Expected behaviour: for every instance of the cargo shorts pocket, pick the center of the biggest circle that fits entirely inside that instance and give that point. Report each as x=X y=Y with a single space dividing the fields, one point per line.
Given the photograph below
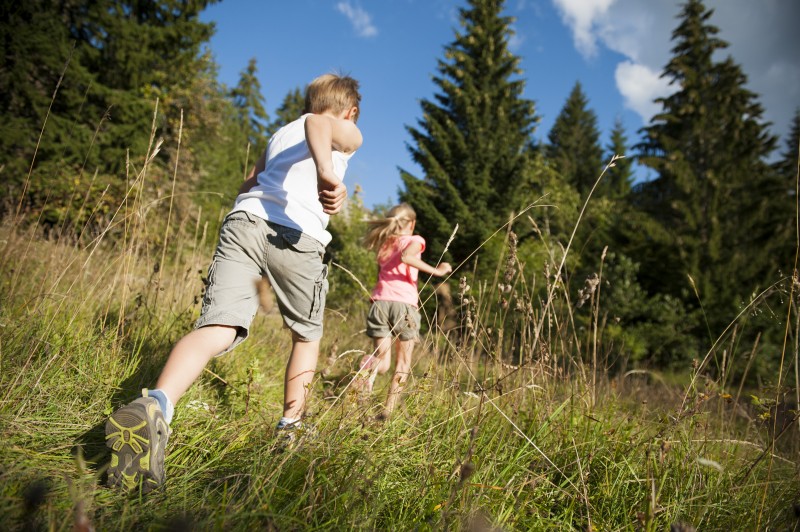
x=208 y=286
x=320 y=293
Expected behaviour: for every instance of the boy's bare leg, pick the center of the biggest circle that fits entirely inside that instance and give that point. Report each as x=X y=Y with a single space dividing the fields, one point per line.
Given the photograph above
x=299 y=374
x=137 y=433
x=402 y=368
x=190 y=355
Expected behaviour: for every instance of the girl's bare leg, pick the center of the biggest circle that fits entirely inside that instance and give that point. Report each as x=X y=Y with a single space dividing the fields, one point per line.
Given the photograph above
x=380 y=358
x=402 y=368
x=299 y=374
x=379 y=361
x=383 y=347
x=190 y=355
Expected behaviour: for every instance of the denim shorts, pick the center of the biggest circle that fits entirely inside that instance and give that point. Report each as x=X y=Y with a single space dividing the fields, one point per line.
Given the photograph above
x=250 y=247
x=392 y=318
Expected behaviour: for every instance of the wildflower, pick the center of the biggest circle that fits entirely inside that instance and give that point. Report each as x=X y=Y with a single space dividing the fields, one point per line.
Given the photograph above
x=466 y=301
x=588 y=289
x=511 y=260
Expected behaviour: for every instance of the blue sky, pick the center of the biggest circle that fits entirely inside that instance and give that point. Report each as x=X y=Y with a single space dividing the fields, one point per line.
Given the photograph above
x=615 y=48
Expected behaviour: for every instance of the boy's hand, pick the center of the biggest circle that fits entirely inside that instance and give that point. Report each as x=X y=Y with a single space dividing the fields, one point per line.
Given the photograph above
x=332 y=196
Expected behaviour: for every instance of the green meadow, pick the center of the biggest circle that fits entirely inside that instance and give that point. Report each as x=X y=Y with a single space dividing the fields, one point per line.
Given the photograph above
x=544 y=438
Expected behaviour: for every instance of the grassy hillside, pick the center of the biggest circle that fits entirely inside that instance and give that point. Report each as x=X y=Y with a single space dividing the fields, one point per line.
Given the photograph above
x=553 y=442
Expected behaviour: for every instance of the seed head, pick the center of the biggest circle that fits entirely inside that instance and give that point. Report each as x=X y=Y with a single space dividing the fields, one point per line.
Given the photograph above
x=588 y=289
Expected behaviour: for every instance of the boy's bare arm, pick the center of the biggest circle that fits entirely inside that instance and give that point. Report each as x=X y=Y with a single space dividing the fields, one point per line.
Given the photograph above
x=323 y=134
x=324 y=131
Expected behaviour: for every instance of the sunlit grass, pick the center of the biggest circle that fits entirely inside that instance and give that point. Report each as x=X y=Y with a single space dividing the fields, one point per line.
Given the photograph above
x=478 y=441
x=509 y=421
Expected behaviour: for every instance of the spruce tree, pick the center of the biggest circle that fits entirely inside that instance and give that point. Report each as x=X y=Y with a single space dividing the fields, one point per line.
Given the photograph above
x=708 y=146
x=619 y=177
x=787 y=165
x=291 y=109
x=248 y=101
x=140 y=51
x=574 y=147
x=785 y=240
x=473 y=142
x=35 y=50
x=110 y=60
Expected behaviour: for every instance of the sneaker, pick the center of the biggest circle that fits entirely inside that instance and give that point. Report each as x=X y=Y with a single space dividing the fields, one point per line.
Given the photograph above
x=137 y=435
x=288 y=434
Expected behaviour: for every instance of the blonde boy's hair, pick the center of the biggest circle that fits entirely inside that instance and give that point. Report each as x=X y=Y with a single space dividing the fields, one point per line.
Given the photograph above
x=332 y=92
x=383 y=230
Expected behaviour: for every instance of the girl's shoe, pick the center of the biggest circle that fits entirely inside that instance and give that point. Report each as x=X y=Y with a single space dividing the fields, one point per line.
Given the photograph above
x=137 y=435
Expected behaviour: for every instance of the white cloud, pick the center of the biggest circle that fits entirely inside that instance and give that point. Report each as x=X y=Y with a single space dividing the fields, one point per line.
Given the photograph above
x=639 y=86
x=582 y=16
x=360 y=19
x=762 y=36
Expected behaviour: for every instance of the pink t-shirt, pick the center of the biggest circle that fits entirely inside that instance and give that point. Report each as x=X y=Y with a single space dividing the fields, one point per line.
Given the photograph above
x=397 y=281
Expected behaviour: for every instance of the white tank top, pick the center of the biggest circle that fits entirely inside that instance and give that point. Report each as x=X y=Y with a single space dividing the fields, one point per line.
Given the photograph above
x=286 y=191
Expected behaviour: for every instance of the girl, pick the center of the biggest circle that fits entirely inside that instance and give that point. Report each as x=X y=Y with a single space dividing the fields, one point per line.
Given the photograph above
x=394 y=313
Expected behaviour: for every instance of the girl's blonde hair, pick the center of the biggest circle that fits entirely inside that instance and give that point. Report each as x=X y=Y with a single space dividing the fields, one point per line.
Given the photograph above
x=385 y=229
x=332 y=92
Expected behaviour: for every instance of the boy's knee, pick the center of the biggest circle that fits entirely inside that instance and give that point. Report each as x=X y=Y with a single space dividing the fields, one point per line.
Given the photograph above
x=216 y=339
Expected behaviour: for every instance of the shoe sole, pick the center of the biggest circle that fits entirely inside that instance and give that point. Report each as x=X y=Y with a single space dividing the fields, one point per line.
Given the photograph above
x=133 y=435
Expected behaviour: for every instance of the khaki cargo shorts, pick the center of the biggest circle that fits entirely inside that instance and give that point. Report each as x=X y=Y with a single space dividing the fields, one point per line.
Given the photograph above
x=250 y=247
x=392 y=318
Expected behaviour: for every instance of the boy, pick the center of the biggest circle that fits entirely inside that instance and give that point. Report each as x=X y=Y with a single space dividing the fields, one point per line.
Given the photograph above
x=276 y=228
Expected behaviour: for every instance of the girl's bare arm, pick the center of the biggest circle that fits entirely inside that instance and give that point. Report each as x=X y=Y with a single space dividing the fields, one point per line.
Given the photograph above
x=409 y=257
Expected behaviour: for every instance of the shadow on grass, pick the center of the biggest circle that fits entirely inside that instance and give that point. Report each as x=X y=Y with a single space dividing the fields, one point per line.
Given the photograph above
x=91 y=444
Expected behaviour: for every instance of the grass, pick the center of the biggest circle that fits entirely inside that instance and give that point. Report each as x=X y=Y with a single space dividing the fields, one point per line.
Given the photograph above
x=477 y=443
x=545 y=439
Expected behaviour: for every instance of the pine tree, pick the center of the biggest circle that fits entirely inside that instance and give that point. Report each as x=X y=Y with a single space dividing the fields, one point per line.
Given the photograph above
x=574 y=147
x=787 y=166
x=618 y=178
x=140 y=51
x=473 y=141
x=785 y=240
x=290 y=109
x=608 y=211
x=575 y=154
x=35 y=50
x=116 y=58
x=708 y=146
x=249 y=105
